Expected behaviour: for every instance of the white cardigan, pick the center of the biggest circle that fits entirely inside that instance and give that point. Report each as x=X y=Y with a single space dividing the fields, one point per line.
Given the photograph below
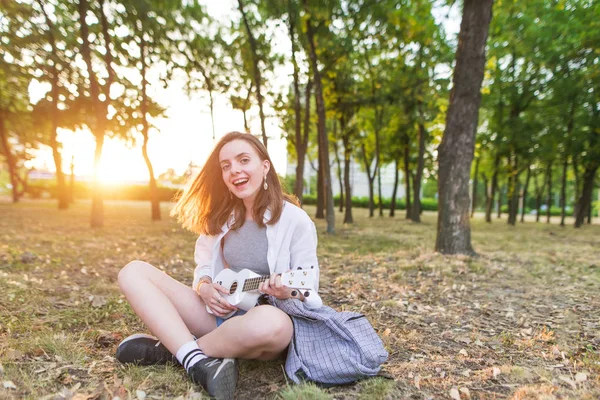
x=291 y=243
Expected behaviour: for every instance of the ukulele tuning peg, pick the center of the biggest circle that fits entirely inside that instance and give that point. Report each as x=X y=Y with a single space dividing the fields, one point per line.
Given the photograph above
x=291 y=282
x=302 y=282
x=291 y=274
x=299 y=268
x=305 y=273
x=312 y=267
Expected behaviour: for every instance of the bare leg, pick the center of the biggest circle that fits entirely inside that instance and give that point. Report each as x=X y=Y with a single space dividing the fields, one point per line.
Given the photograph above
x=171 y=310
x=262 y=333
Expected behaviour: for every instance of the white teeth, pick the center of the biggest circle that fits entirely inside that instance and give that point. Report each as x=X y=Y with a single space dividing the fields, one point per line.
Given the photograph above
x=240 y=181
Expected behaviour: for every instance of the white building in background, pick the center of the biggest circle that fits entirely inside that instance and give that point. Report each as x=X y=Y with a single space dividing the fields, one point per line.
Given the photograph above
x=358 y=179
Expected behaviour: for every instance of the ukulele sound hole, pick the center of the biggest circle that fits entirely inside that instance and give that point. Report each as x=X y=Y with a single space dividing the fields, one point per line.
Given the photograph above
x=233 y=288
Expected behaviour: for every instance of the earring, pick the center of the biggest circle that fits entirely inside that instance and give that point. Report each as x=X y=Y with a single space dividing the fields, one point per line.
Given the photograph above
x=266 y=185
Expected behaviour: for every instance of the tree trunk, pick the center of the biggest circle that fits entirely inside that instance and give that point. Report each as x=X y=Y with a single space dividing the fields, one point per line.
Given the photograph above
x=154 y=200
x=378 y=124
x=407 y=179
x=525 y=193
x=302 y=143
x=577 y=183
x=61 y=187
x=339 y=166
x=347 y=158
x=585 y=200
x=395 y=190
x=589 y=210
x=211 y=104
x=246 y=108
x=415 y=214
x=485 y=191
x=513 y=191
x=489 y=205
x=299 y=187
x=10 y=160
x=97 y=215
x=474 y=189
x=256 y=70
x=563 y=192
x=458 y=143
x=371 y=180
x=320 y=214
x=499 y=203
x=549 y=198
x=323 y=139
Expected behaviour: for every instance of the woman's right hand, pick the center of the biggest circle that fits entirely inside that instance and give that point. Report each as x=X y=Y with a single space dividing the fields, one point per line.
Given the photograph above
x=212 y=295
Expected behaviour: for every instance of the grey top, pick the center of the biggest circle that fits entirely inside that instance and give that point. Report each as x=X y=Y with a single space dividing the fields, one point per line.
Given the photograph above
x=247 y=247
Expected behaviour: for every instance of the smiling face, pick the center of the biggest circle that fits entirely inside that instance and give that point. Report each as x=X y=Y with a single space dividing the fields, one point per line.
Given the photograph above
x=243 y=171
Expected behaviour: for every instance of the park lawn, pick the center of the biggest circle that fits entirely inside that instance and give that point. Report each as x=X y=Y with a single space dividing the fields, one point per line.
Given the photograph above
x=521 y=320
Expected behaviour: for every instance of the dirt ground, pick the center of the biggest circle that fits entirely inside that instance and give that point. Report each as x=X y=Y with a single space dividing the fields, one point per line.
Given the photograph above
x=520 y=320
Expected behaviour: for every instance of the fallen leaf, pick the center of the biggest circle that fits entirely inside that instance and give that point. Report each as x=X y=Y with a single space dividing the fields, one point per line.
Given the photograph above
x=417 y=382
x=463 y=352
x=496 y=371
x=141 y=395
x=13 y=354
x=9 y=385
x=273 y=387
x=1 y=369
x=98 y=301
x=526 y=332
x=466 y=392
x=387 y=332
x=464 y=340
x=454 y=394
x=580 y=377
x=568 y=380
x=466 y=372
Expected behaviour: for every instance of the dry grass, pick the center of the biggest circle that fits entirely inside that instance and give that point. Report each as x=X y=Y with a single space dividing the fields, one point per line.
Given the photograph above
x=519 y=321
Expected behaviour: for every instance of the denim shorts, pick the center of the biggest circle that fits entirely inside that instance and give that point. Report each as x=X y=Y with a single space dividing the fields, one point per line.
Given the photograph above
x=237 y=313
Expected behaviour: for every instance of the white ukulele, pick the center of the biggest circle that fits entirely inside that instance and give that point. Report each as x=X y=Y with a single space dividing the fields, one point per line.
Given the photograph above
x=243 y=285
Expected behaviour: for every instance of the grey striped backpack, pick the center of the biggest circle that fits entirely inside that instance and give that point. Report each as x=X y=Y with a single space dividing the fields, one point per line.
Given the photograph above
x=330 y=347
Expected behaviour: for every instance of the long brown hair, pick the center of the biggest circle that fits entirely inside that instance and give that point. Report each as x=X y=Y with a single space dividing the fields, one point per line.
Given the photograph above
x=206 y=203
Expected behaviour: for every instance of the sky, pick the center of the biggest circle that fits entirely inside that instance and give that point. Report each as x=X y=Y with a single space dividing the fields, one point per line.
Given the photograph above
x=184 y=135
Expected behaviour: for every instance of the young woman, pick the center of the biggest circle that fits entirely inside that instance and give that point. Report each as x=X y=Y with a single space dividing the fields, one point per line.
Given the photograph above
x=245 y=220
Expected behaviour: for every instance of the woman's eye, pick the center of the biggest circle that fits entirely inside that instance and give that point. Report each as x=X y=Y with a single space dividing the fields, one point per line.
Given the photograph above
x=225 y=167
x=245 y=160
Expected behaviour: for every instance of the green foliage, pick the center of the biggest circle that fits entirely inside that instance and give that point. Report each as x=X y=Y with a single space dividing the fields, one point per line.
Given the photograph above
x=427 y=204
x=554 y=211
x=82 y=190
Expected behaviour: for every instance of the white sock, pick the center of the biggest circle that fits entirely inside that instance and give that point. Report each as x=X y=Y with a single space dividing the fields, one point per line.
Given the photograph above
x=189 y=354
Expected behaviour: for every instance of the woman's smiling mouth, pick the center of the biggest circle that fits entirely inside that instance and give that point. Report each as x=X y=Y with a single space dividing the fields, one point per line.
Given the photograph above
x=240 y=182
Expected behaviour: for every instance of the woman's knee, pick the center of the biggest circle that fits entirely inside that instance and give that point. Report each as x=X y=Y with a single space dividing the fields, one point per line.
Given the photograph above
x=133 y=272
x=269 y=325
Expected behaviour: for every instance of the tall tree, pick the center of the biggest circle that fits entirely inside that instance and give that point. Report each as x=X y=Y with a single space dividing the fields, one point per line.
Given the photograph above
x=256 y=68
x=15 y=113
x=457 y=147
x=320 y=103
x=148 y=22
x=54 y=66
x=99 y=98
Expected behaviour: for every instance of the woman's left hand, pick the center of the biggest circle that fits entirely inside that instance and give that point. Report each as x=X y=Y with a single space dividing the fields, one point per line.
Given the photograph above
x=275 y=288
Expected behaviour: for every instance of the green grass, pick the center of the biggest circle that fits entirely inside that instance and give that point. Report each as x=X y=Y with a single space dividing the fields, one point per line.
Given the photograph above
x=527 y=304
